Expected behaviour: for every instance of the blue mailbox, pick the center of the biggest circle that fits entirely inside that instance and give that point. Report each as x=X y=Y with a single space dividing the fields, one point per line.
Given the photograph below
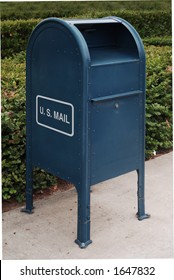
x=85 y=107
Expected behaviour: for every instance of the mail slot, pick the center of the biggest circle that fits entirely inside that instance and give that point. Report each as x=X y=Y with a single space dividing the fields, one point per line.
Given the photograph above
x=85 y=107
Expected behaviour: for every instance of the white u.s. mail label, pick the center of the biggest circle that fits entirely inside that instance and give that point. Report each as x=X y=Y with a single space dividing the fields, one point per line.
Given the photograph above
x=55 y=114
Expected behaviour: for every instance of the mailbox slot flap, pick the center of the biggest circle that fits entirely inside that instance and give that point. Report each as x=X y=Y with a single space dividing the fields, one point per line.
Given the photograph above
x=108 y=41
x=115 y=96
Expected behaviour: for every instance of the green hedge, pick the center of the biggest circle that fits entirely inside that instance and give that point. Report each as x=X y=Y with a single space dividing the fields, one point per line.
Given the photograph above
x=158 y=41
x=13 y=131
x=27 y=10
x=158 y=99
x=158 y=117
x=15 y=34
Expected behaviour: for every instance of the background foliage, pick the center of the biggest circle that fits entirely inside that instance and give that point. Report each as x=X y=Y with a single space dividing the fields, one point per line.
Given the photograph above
x=77 y=8
x=158 y=99
x=153 y=22
x=13 y=131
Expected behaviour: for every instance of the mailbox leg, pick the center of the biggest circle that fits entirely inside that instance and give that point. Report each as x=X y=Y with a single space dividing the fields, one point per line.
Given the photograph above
x=83 y=227
x=29 y=191
x=141 y=200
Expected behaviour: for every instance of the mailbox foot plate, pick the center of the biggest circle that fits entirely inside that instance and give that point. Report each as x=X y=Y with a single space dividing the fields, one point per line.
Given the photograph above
x=83 y=245
x=28 y=211
x=142 y=217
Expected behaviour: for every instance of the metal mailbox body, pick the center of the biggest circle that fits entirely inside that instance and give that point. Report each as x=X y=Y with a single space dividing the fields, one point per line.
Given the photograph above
x=85 y=106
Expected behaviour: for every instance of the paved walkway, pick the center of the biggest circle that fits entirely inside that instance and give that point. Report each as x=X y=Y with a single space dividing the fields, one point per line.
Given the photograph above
x=116 y=233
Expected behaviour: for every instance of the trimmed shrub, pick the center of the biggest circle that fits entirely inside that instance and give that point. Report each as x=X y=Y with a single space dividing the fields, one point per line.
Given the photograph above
x=15 y=34
x=13 y=131
x=158 y=99
x=27 y=10
x=158 y=41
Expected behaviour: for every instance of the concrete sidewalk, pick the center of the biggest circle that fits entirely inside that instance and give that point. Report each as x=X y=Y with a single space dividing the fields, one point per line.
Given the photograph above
x=50 y=232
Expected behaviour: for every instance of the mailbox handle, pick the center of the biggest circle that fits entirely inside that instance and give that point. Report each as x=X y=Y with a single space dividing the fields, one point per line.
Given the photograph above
x=115 y=96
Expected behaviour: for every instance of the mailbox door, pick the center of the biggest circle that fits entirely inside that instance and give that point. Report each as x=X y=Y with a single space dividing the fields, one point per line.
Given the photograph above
x=115 y=136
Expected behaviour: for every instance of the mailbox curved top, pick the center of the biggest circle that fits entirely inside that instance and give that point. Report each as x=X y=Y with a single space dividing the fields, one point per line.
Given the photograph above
x=59 y=23
x=86 y=33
